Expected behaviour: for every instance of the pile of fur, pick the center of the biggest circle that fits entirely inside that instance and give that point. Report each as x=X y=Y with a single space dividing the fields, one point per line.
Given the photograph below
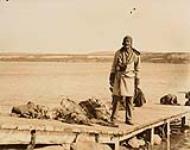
x=86 y=112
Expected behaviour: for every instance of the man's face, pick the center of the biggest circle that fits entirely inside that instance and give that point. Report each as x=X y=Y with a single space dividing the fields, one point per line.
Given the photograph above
x=128 y=43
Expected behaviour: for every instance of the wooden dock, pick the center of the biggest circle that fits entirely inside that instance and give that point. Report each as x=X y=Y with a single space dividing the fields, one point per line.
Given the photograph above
x=18 y=130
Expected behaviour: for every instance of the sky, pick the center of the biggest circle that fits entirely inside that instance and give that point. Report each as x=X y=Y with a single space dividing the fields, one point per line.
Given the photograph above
x=81 y=26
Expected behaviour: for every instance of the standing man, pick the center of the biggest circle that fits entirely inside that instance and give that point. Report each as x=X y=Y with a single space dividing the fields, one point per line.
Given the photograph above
x=124 y=78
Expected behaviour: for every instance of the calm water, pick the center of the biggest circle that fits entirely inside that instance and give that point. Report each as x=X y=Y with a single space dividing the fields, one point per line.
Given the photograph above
x=44 y=82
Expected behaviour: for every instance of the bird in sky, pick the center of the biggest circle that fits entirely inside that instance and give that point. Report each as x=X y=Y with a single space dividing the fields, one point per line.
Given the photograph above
x=132 y=11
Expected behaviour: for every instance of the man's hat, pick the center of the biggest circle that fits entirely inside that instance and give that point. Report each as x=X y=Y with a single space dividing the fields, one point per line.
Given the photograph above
x=127 y=38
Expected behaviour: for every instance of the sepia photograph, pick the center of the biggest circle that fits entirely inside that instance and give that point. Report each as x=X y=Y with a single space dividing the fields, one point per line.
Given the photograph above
x=94 y=75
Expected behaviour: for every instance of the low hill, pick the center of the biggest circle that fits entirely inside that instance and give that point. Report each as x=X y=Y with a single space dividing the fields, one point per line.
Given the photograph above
x=169 y=57
x=155 y=57
x=104 y=56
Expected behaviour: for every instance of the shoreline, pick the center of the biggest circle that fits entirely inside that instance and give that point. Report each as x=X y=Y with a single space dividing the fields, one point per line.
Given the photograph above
x=149 y=57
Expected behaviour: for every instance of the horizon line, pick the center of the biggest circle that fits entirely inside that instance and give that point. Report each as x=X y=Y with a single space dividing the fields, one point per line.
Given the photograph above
x=85 y=53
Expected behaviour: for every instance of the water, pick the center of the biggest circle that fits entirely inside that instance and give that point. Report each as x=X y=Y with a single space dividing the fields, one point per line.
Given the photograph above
x=44 y=82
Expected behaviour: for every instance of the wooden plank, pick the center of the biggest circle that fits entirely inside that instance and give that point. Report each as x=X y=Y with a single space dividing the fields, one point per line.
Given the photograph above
x=168 y=135
x=66 y=132
x=117 y=145
x=24 y=137
x=108 y=139
x=183 y=121
x=14 y=137
x=152 y=137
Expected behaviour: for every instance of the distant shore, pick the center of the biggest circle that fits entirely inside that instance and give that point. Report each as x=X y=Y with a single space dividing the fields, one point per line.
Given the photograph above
x=158 y=57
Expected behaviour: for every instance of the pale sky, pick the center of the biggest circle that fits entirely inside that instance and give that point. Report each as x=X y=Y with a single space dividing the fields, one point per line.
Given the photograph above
x=93 y=25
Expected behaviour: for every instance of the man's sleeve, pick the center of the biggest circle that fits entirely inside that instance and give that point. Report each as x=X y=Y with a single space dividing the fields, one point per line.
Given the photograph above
x=113 y=70
x=137 y=71
x=137 y=67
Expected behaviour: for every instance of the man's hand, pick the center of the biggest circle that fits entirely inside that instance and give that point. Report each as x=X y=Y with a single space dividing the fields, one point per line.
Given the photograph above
x=111 y=79
x=111 y=89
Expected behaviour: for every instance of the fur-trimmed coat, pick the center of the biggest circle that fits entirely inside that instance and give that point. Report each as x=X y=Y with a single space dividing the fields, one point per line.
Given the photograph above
x=125 y=68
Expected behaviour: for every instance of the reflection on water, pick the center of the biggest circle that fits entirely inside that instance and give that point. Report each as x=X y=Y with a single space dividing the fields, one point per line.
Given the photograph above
x=180 y=141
